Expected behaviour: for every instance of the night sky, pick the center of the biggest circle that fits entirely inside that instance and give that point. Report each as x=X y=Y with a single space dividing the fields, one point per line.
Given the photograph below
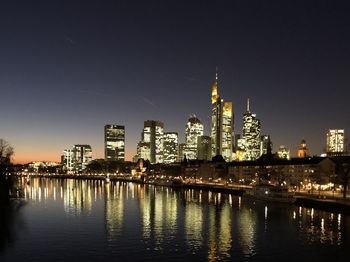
x=67 y=68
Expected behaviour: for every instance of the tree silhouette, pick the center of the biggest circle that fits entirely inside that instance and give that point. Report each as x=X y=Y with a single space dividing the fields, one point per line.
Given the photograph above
x=6 y=182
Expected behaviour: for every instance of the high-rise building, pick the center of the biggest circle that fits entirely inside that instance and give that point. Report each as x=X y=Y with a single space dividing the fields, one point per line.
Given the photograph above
x=114 y=142
x=67 y=161
x=182 y=152
x=302 y=151
x=283 y=152
x=221 y=124
x=76 y=159
x=335 y=142
x=194 y=129
x=251 y=135
x=153 y=134
x=204 y=148
x=143 y=151
x=171 y=145
x=82 y=155
x=265 y=145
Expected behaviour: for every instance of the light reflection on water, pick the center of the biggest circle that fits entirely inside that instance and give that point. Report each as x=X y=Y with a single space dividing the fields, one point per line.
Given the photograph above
x=147 y=222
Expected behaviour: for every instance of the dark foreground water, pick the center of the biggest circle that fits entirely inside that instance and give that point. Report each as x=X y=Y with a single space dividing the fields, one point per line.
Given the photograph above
x=86 y=220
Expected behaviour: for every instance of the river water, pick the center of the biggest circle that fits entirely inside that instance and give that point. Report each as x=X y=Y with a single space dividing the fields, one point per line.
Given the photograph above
x=88 y=220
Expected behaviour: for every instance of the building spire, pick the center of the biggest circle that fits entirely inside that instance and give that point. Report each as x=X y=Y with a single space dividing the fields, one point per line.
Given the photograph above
x=248 y=105
x=214 y=89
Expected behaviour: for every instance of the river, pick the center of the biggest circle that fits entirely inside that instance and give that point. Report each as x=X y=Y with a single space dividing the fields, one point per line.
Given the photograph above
x=88 y=220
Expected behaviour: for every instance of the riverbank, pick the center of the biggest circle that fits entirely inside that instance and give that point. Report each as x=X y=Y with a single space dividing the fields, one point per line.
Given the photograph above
x=330 y=205
x=335 y=205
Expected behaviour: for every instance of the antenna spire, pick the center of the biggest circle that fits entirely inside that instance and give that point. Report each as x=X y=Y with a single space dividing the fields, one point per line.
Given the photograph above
x=216 y=73
x=248 y=105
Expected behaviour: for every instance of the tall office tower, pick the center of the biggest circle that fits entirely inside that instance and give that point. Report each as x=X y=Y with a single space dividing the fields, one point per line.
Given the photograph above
x=82 y=155
x=194 y=129
x=221 y=124
x=335 y=142
x=182 y=152
x=204 y=148
x=302 y=151
x=283 y=152
x=67 y=161
x=251 y=135
x=265 y=145
x=144 y=151
x=153 y=134
x=171 y=145
x=114 y=142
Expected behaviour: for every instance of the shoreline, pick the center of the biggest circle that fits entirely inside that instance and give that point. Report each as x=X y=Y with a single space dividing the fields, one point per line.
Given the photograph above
x=326 y=204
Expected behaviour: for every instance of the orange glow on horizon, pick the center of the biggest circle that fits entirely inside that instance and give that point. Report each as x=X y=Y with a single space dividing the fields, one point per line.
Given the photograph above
x=24 y=158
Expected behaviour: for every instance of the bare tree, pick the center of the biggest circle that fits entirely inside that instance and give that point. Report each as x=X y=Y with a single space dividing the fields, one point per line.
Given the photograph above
x=6 y=151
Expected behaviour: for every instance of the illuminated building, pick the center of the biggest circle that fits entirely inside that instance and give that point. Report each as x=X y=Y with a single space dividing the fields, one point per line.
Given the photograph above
x=335 y=142
x=143 y=151
x=182 y=152
x=221 y=124
x=302 y=151
x=194 y=129
x=204 y=148
x=171 y=144
x=114 y=142
x=153 y=134
x=265 y=145
x=76 y=159
x=283 y=152
x=67 y=161
x=251 y=135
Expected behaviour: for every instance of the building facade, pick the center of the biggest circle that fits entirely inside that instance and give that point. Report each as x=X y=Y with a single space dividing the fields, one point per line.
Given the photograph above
x=251 y=135
x=171 y=146
x=283 y=152
x=335 y=142
x=194 y=129
x=152 y=133
x=265 y=145
x=114 y=142
x=75 y=160
x=303 y=151
x=143 y=151
x=204 y=148
x=221 y=124
x=82 y=155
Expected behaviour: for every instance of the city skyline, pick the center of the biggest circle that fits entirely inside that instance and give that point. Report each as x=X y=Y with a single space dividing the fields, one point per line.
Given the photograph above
x=66 y=71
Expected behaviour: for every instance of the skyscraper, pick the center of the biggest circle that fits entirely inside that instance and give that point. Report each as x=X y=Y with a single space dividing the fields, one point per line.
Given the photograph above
x=153 y=134
x=251 y=135
x=114 y=142
x=82 y=155
x=204 y=148
x=283 y=152
x=194 y=129
x=221 y=124
x=143 y=151
x=335 y=142
x=67 y=161
x=171 y=145
x=265 y=145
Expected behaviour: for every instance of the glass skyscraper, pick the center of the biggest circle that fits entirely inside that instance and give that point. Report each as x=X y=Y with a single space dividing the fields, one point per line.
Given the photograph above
x=171 y=145
x=194 y=129
x=114 y=142
x=251 y=135
x=221 y=124
x=152 y=133
x=335 y=142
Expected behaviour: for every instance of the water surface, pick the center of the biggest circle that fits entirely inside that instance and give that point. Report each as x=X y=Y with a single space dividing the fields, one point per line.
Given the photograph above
x=88 y=220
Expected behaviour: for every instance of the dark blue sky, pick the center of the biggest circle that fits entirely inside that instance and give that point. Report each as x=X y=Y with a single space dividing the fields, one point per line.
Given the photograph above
x=69 y=67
